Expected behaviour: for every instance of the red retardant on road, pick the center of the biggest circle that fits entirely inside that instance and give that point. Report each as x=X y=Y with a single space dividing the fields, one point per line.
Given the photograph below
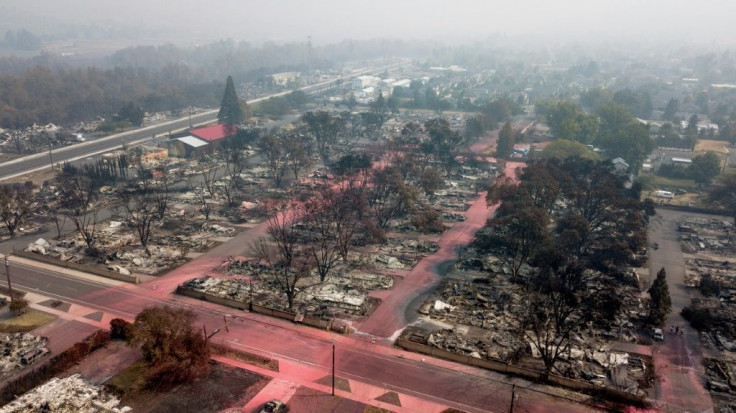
x=388 y=318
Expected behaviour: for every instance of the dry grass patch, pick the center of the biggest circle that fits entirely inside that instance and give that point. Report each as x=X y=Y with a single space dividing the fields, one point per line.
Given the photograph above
x=245 y=357
x=28 y=321
x=222 y=389
x=705 y=145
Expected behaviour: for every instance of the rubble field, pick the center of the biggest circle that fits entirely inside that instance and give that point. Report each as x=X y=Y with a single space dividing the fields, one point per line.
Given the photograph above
x=118 y=249
x=342 y=294
x=721 y=381
x=472 y=313
x=707 y=236
x=709 y=246
x=19 y=350
x=71 y=394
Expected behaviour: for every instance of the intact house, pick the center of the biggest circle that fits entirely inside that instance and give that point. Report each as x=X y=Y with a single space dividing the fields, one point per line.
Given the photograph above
x=200 y=141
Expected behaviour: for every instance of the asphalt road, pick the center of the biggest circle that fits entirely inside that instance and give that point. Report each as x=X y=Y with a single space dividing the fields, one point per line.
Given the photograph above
x=472 y=391
x=43 y=160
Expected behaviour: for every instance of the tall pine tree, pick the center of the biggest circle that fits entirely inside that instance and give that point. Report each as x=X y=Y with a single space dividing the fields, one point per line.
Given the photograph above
x=660 y=303
x=505 y=142
x=230 y=111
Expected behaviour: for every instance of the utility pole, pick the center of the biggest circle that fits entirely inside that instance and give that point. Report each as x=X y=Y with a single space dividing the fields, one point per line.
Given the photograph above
x=7 y=274
x=333 y=369
x=513 y=397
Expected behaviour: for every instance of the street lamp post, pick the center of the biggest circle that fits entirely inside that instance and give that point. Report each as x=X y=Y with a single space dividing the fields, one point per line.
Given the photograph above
x=7 y=274
x=333 y=369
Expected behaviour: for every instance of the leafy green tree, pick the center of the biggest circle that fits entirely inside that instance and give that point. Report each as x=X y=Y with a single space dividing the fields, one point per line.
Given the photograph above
x=473 y=127
x=723 y=193
x=660 y=303
x=326 y=129
x=132 y=113
x=562 y=149
x=728 y=133
x=170 y=344
x=495 y=112
x=594 y=98
x=639 y=103
x=444 y=143
x=351 y=163
x=622 y=136
x=673 y=106
x=505 y=142
x=230 y=110
x=380 y=109
x=705 y=168
x=691 y=131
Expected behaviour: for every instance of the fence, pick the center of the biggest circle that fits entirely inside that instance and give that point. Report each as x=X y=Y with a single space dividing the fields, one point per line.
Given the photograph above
x=321 y=323
x=534 y=375
x=696 y=210
x=79 y=267
x=212 y=298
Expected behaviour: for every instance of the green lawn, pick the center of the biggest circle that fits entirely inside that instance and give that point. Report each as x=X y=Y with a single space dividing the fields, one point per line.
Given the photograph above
x=661 y=182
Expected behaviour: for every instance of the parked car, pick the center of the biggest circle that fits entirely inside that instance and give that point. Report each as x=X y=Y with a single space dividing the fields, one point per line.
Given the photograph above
x=680 y=191
x=657 y=334
x=274 y=406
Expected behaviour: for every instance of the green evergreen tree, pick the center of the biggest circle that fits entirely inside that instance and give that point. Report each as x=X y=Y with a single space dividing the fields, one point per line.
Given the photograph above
x=230 y=111
x=660 y=303
x=505 y=142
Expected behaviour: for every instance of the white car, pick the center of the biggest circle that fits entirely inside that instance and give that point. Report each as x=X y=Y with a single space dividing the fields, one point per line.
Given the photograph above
x=657 y=334
x=274 y=406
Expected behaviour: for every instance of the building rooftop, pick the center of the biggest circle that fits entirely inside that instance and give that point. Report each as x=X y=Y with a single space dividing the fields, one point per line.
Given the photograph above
x=213 y=133
x=192 y=141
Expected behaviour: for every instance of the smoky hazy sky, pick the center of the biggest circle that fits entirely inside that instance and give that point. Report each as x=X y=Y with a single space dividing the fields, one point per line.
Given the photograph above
x=703 y=21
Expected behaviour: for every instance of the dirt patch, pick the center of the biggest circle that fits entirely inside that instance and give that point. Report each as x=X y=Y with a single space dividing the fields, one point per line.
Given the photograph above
x=224 y=387
x=245 y=357
x=106 y=362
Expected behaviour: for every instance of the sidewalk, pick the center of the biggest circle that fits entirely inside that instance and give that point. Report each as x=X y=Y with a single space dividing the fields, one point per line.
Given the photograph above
x=291 y=376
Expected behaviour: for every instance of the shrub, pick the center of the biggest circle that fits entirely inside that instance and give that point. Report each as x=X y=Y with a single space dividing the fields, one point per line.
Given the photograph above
x=18 y=306
x=700 y=318
x=118 y=329
x=428 y=221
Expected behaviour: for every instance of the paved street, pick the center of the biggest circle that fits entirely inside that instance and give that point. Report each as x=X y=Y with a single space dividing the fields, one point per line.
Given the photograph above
x=678 y=360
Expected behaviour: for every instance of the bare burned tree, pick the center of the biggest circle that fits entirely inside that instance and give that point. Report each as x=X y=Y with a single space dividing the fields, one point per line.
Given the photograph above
x=275 y=155
x=562 y=293
x=16 y=202
x=78 y=194
x=58 y=217
x=538 y=326
x=232 y=154
x=323 y=246
x=144 y=202
x=299 y=153
x=347 y=208
x=235 y=162
x=209 y=175
x=280 y=251
x=326 y=129
x=203 y=198
x=389 y=196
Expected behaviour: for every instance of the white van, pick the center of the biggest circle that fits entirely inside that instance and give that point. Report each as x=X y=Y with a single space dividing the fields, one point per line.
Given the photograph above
x=664 y=194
